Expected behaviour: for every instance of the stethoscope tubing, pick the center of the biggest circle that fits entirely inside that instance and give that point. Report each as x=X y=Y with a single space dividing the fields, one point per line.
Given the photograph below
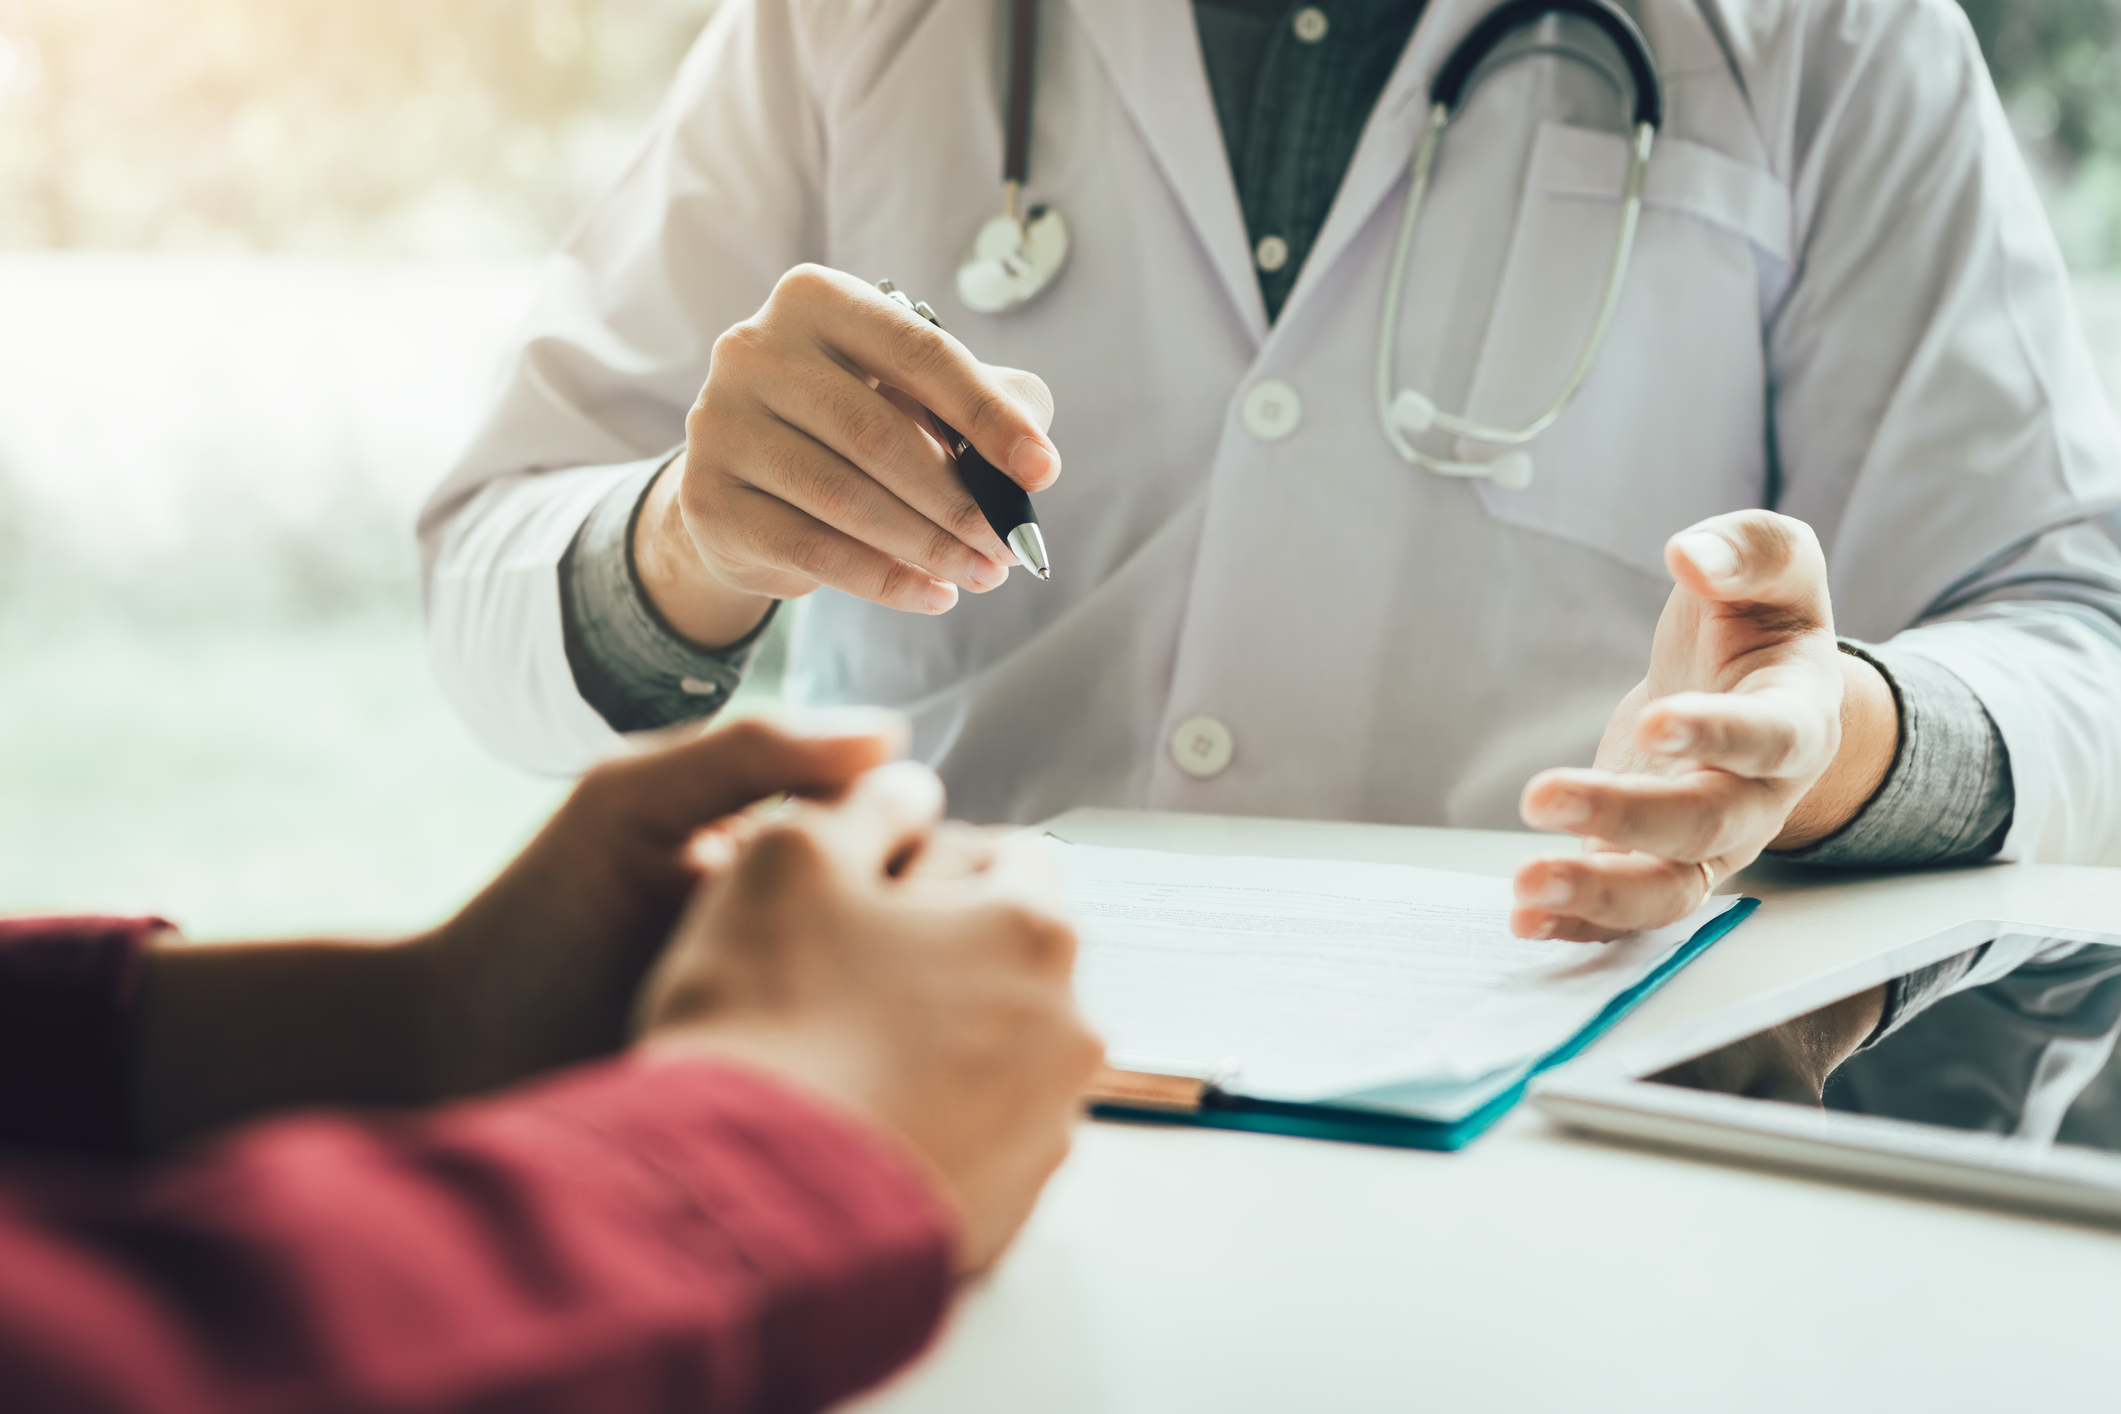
x=1395 y=287
x=1448 y=88
x=1033 y=245
x=1446 y=93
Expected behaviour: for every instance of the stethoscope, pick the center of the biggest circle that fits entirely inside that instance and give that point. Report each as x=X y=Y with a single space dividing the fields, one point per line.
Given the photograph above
x=1406 y=412
x=1017 y=255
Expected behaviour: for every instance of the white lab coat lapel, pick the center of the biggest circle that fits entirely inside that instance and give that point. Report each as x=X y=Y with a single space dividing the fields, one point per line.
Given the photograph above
x=1151 y=51
x=1388 y=138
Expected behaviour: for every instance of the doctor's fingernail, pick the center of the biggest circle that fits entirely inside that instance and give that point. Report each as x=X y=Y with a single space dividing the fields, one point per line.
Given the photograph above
x=1674 y=739
x=987 y=574
x=1552 y=894
x=1713 y=555
x=829 y=722
x=1565 y=812
x=1031 y=464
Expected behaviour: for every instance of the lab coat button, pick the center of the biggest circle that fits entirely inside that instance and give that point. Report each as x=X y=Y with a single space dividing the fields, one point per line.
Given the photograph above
x=1272 y=253
x=1201 y=746
x=1272 y=410
x=1311 y=24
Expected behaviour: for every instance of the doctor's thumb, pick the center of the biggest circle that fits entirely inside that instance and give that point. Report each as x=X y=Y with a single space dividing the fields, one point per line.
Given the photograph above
x=1751 y=557
x=1030 y=393
x=1032 y=462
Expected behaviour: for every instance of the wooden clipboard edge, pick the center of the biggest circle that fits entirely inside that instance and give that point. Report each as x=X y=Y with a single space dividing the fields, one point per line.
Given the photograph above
x=1147 y=1090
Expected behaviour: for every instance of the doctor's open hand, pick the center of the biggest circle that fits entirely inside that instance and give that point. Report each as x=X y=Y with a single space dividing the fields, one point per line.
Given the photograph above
x=808 y=461
x=1751 y=731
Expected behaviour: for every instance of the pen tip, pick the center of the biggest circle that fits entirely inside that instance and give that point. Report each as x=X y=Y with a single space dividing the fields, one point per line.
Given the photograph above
x=1030 y=548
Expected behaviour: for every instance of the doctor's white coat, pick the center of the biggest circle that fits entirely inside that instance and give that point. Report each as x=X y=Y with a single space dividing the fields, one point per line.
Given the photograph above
x=1844 y=303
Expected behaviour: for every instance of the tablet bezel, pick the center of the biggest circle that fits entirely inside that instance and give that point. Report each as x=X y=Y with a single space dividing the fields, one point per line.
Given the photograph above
x=1607 y=1094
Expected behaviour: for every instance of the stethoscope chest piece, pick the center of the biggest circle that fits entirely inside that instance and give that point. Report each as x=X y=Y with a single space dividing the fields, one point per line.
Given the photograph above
x=1016 y=255
x=1013 y=260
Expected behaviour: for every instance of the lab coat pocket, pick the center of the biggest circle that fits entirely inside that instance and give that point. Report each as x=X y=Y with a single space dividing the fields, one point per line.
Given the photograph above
x=1670 y=424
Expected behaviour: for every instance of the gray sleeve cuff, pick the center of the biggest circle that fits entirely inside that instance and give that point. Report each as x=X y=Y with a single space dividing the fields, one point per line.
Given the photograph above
x=1948 y=797
x=628 y=662
x=1910 y=995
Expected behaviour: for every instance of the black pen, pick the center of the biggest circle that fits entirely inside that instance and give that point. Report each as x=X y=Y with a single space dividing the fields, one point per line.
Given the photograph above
x=1006 y=505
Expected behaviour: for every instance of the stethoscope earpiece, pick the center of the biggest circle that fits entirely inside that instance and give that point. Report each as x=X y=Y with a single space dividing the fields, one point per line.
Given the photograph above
x=1414 y=413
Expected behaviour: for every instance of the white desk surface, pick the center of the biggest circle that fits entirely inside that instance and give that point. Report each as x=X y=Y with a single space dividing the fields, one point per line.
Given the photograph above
x=1172 y=1270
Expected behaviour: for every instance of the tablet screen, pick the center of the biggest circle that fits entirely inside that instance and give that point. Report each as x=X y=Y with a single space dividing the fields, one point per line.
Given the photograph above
x=2015 y=1038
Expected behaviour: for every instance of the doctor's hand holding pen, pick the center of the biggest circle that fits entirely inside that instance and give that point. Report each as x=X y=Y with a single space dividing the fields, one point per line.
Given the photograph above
x=811 y=459
x=1751 y=731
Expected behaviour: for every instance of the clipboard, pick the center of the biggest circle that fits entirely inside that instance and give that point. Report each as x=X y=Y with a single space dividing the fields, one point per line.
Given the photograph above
x=1149 y=1094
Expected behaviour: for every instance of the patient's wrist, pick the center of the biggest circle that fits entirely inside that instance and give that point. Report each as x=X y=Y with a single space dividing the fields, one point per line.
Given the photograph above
x=229 y=1031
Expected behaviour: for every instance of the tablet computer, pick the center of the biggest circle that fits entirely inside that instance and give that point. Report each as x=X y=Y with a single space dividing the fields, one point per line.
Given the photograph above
x=1988 y=1072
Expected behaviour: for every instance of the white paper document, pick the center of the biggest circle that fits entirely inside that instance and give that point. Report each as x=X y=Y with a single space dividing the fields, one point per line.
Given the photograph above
x=1311 y=980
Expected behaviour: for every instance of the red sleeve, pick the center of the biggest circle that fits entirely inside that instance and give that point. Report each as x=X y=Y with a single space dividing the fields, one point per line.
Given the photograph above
x=68 y=987
x=680 y=1236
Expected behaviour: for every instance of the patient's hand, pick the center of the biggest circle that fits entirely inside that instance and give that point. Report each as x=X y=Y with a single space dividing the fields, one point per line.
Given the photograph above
x=916 y=974
x=539 y=970
x=545 y=963
x=1751 y=730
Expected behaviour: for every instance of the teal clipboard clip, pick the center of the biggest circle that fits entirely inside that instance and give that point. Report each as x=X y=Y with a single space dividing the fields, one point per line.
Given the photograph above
x=1196 y=1101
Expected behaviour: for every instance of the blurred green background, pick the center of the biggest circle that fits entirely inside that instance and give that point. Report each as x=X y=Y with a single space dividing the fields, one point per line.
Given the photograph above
x=258 y=261
x=2057 y=64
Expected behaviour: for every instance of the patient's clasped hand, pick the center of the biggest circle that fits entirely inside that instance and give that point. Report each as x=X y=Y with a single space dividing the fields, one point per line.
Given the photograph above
x=857 y=1062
